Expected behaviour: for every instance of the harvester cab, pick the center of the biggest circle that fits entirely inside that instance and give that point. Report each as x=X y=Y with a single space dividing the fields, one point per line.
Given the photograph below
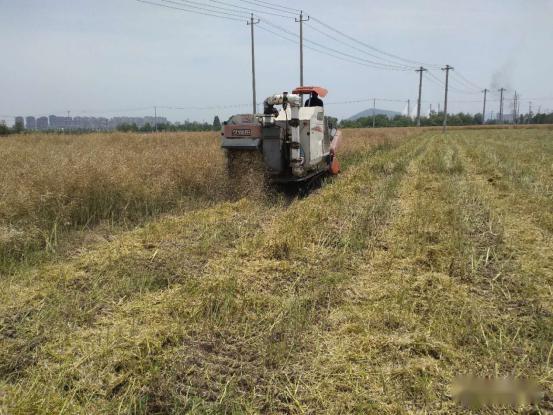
x=295 y=144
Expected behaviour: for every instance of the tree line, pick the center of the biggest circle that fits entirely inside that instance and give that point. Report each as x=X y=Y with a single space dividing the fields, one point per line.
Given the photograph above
x=380 y=121
x=437 y=119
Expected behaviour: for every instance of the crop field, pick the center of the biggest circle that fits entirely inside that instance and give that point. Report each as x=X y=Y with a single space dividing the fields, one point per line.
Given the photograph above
x=134 y=282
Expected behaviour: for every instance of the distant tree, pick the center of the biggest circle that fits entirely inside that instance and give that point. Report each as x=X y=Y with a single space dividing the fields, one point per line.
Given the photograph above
x=126 y=128
x=4 y=130
x=402 y=121
x=18 y=127
x=216 y=123
x=147 y=128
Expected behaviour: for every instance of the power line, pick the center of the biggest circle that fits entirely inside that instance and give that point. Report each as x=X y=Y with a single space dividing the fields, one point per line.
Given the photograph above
x=439 y=82
x=469 y=82
x=466 y=87
x=355 y=48
x=326 y=53
x=202 y=6
x=249 y=9
x=322 y=52
x=372 y=47
x=271 y=6
x=190 y=11
x=378 y=65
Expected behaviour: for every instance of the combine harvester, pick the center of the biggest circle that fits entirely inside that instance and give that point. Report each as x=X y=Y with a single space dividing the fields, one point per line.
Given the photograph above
x=294 y=147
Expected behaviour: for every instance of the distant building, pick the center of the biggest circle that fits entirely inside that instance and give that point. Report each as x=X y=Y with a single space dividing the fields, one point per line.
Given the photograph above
x=30 y=123
x=59 y=123
x=53 y=122
x=42 y=123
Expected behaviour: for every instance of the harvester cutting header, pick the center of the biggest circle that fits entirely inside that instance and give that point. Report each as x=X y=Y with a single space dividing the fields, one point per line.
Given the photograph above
x=297 y=143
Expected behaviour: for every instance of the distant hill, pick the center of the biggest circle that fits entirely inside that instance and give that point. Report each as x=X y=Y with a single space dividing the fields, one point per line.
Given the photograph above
x=369 y=113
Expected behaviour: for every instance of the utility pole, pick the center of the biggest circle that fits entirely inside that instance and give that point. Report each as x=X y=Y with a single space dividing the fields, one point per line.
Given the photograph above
x=252 y=23
x=155 y=119
x=300 y=21
x=501 y=91
x=446 y=69
x=515 y=107
x=409 y=108
x=374 y=112
x=530 y=112
x=484 y=109
x=421 y=70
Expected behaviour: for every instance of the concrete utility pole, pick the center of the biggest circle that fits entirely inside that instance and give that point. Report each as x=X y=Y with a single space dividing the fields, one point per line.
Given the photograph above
x=300 y=21
x=501 y=91
x=421 y=70
x=374 y=112
x=446 y=69
x=409 y=108
x=530 y=112
x=515 y=108
x=252 y=23
x=155 y=119
x=485 y=91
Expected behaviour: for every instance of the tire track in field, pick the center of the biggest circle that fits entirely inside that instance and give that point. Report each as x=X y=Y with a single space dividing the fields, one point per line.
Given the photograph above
x=226 y=339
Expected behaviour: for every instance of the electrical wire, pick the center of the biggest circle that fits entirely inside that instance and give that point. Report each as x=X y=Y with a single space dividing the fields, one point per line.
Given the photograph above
x=469 y=82
x=358 y=49
x=461 y=84
x=323 y=52
x=370 y=46
x=378 y=65
x=433 y=78
x=315 y=49
x=271 y=6
x=189 y=11
x=249 y=9
x=202 y=6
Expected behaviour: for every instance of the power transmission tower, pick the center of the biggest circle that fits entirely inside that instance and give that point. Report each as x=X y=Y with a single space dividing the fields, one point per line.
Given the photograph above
x=374 y=112
x=252 y=23
x=300 y=21
x=421 y=71
x=501 y=91
x=484 y=109
x=446 y=69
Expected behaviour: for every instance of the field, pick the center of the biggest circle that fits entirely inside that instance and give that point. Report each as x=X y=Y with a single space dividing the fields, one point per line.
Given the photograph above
x=135 y=282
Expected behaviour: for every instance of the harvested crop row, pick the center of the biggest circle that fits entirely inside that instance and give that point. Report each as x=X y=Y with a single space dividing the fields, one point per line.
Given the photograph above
x=223 y=337
x=430 y=305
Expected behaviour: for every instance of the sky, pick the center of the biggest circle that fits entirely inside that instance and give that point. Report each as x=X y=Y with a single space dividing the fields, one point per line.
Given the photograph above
x=123 y=57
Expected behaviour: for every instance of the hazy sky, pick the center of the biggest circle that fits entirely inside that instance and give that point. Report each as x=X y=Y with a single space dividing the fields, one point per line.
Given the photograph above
x=107 y=58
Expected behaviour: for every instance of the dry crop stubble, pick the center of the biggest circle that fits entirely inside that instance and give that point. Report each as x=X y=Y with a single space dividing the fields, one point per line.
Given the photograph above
x=369 y=296
x=233 y=293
